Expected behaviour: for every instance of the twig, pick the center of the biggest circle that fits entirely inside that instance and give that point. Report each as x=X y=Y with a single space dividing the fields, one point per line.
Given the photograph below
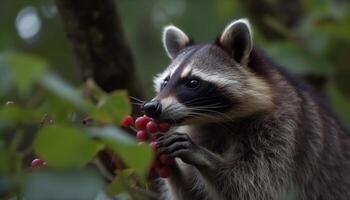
x=102 y=169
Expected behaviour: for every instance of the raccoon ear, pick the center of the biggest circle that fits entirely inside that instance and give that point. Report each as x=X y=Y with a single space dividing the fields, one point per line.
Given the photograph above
x=237 y=40
x=174 y=40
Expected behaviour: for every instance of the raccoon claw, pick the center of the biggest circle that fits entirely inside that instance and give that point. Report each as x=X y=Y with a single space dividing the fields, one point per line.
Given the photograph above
x=177 y=145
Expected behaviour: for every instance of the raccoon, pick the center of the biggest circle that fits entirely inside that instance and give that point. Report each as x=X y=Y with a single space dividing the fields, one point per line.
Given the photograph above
x=246 y=129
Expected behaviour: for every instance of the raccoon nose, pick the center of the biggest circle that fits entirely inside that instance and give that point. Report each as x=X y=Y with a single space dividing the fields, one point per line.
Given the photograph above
x=152 y=108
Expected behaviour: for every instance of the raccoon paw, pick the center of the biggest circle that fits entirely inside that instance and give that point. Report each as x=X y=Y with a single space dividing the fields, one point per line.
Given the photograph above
x=177 y=145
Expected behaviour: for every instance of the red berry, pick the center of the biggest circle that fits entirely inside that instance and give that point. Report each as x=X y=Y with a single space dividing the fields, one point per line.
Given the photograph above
x=141 y=122
x=127 y=121
x=152 y=127
x=38 y=163
x=164 y=127
x=142 y=135
x=164 y=159
x=164 y=172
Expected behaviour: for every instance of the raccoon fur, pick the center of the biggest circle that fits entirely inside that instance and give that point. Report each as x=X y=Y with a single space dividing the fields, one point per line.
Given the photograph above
x=246 y=129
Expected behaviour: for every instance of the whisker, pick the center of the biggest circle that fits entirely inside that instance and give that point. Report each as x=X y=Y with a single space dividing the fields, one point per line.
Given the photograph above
x=212 y=111
x=200 y=99
x=195 y=99
x=136 y=99
x=215 y=105
x=135 y=103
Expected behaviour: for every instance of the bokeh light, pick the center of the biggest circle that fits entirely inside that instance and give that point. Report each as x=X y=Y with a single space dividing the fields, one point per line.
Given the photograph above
x=28 y=23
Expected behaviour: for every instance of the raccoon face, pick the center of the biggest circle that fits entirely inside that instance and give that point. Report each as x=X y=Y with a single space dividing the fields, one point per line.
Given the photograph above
x=208 y=82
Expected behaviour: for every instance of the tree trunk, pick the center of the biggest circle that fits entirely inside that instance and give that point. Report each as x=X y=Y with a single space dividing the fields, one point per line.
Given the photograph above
x=95 y=31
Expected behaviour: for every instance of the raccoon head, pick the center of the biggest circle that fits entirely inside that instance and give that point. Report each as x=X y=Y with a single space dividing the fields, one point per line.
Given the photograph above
x=208 y=83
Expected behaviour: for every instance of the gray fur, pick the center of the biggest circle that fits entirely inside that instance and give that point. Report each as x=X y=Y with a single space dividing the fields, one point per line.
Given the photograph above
x=278 y=138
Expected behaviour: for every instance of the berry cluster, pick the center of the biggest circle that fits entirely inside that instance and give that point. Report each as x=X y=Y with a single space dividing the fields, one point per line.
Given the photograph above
x=147 y=130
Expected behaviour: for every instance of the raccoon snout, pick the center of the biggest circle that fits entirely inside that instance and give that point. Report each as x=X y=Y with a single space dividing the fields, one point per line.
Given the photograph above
x=152 y=108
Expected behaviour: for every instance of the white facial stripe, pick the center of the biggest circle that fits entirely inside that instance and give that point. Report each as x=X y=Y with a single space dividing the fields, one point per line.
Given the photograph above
x=180 y=63
x=187 y=71
x=169 y=72
x=214 y=77
x=173 y=69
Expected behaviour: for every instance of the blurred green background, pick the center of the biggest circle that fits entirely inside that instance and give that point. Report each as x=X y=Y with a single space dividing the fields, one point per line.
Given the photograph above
x=312 y=39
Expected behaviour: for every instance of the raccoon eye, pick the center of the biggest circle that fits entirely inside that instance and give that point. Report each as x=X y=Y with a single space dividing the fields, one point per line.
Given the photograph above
x=165 y=82
x=193 y=83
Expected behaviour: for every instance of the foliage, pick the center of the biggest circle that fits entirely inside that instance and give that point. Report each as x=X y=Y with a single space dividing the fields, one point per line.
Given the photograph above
x=45 y=120
x=316 y=47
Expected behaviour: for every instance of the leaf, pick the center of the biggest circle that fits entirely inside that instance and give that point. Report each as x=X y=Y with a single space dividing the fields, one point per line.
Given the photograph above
x=113 y=108
x=57 y=108
x=112 y=134
x=65 y=147
x=16 y=114
x=116 y=187
x=62 y=89
x=74 y=185
x=27 y=69
x=135 y=156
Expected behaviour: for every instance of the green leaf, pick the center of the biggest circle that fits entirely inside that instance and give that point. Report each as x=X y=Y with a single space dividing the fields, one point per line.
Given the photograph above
x=123 y=181
x=65 y=147
x=113 y=108
x=27 y=69
x=135 y=156
x=57 y=108
x=74 y=185
x=112 y=134
x=62 y=89
x=116 y=187
x=16 y=114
